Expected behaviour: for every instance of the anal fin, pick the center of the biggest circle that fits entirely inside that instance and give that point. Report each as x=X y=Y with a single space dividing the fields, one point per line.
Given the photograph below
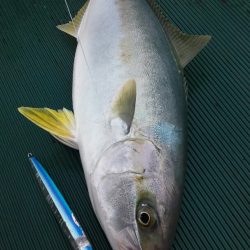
x=73 y=26
x=60 y=124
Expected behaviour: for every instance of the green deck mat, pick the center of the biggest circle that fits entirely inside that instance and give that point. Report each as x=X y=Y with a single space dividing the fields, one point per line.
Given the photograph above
x=36 y=70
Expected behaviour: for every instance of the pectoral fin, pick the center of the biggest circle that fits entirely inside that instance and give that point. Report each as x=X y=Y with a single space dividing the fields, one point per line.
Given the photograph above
x=186 y=46
x=73 y=26
x=60 y=124
x=123 y=107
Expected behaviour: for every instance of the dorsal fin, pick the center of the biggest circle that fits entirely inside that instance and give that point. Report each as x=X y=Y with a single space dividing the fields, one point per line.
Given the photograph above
x=123 y=106
x=73 y=26
x=186 y=46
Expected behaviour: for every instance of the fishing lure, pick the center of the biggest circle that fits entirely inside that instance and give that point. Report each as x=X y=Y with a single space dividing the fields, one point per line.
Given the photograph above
x=60 y=208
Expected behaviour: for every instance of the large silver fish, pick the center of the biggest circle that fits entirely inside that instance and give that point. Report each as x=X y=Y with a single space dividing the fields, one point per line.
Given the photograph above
x=129 y=120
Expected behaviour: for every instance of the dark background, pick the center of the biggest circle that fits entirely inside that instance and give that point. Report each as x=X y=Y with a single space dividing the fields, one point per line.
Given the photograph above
x=36 y=63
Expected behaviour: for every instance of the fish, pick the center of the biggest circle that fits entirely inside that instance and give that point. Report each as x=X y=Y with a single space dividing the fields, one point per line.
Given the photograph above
x=130 y=117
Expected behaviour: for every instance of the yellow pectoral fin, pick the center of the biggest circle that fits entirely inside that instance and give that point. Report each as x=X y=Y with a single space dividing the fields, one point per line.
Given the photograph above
x=60 y=124
x=123 y=106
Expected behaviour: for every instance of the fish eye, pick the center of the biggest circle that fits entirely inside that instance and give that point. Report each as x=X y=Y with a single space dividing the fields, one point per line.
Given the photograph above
x=146 y=216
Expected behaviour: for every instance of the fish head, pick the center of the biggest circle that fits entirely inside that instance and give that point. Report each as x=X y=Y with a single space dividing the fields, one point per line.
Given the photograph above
x=134 y=196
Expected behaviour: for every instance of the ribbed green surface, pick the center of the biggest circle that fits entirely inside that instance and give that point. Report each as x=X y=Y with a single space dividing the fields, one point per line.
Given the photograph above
x=36 y=70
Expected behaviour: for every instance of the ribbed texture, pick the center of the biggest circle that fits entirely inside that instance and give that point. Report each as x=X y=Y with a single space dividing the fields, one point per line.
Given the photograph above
x=72 y=26
x=36 y=70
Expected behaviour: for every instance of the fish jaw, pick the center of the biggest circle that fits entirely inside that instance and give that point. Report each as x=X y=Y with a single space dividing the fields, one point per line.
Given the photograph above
x=129 y=181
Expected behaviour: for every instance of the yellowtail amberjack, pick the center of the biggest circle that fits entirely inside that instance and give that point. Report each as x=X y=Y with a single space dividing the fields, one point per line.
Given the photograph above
x=129 y=120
